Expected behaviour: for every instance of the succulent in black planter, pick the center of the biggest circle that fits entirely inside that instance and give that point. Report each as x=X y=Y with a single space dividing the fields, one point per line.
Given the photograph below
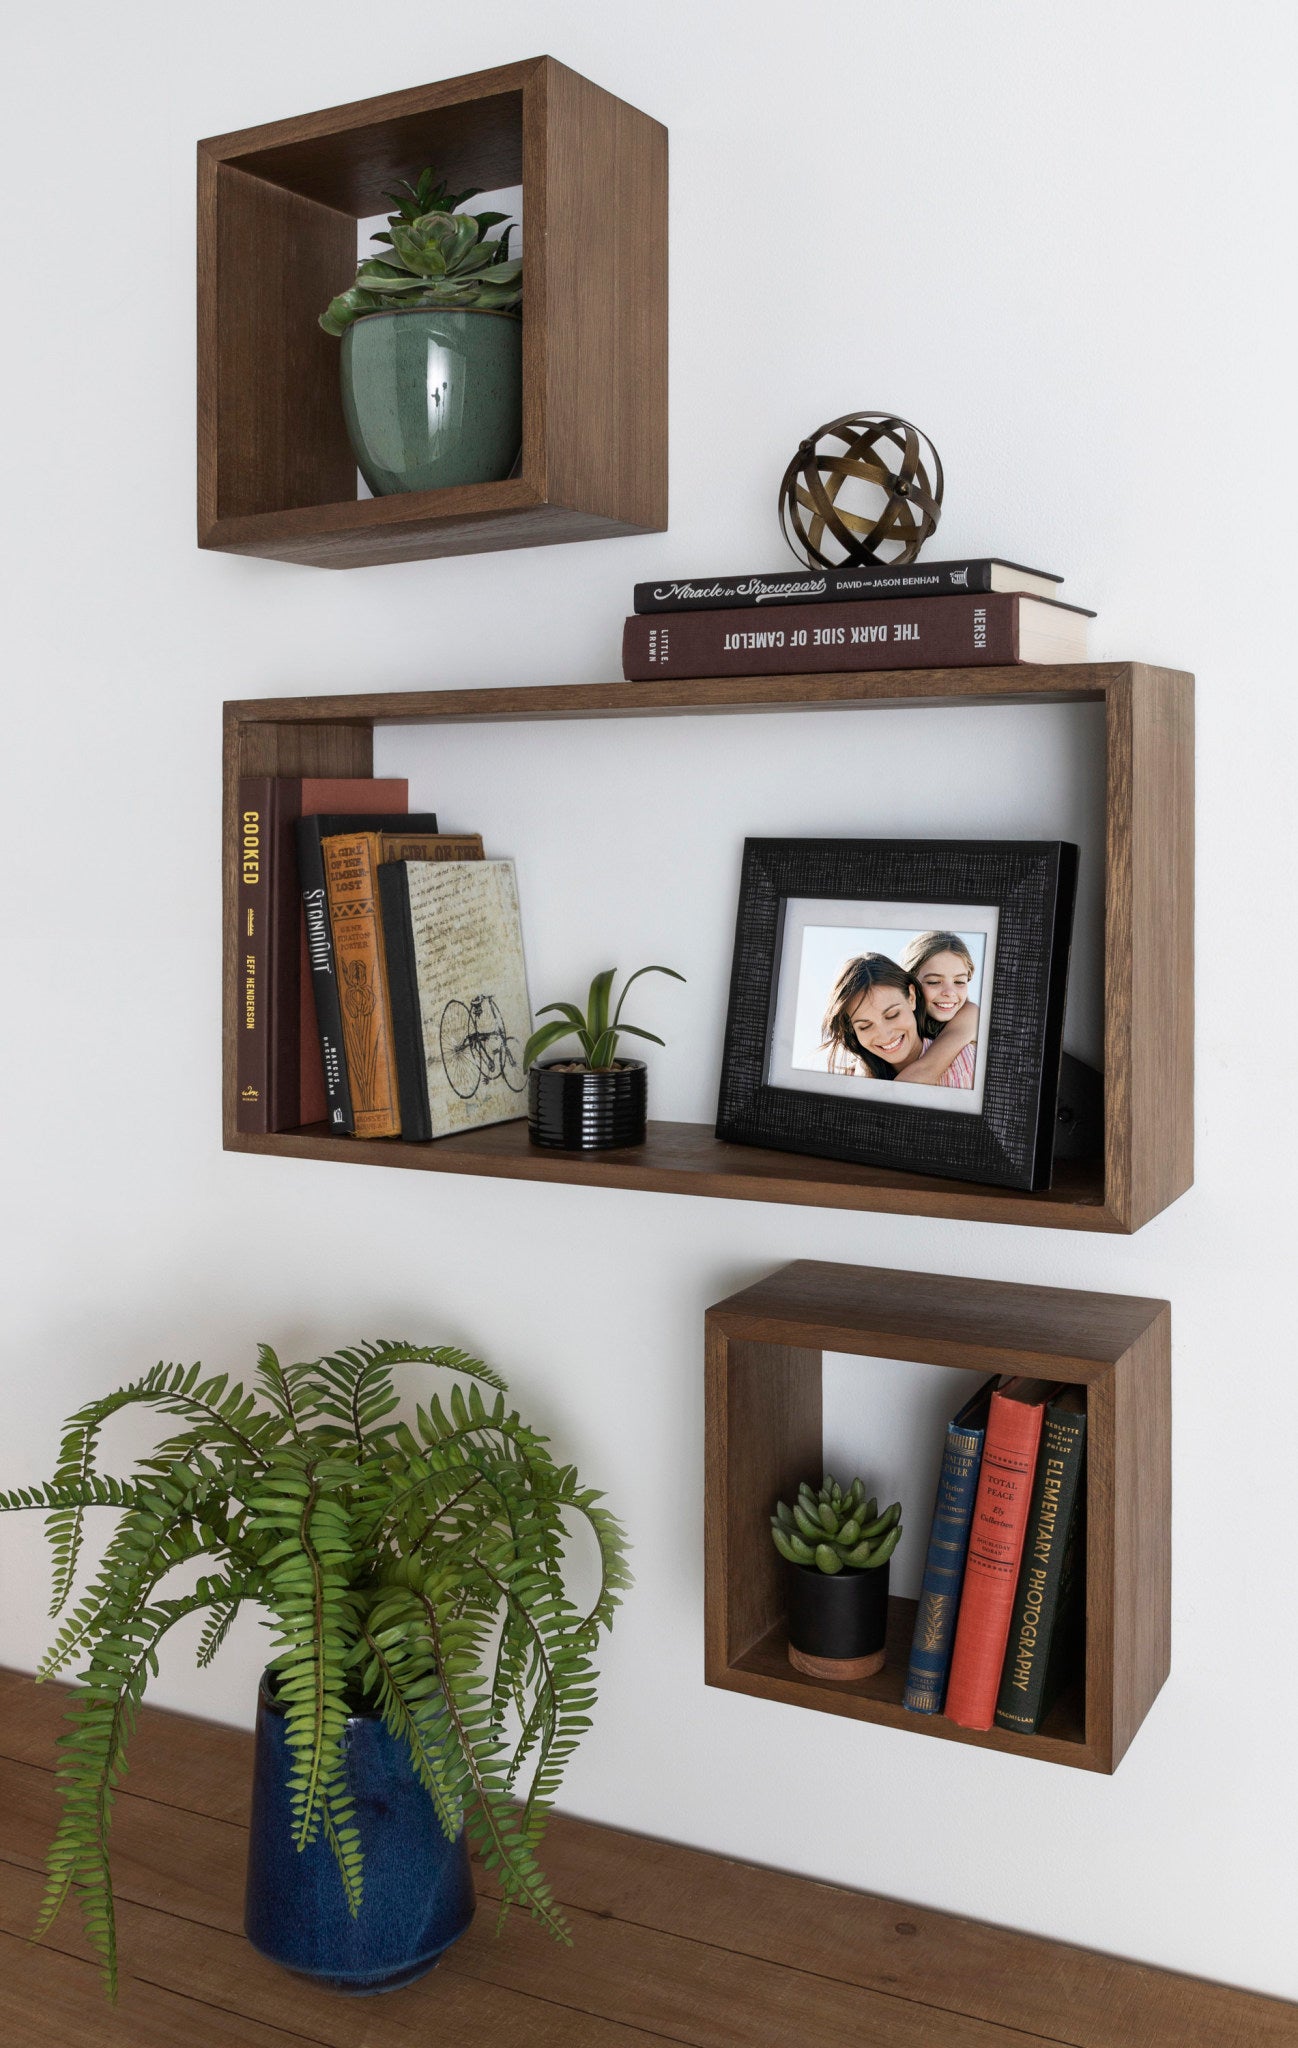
x=837 y=1545
x=597 y=1102
x=432 y=364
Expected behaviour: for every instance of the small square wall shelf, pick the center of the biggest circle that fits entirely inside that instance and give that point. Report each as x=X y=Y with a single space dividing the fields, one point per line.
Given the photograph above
x=1148 y=938
x=763 y=1436
x=278 y=207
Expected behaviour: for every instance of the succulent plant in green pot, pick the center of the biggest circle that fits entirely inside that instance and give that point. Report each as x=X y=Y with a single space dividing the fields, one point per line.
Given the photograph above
x=432 y=1672
x=836 y=1546
x=597 y=1102
x=432 y=368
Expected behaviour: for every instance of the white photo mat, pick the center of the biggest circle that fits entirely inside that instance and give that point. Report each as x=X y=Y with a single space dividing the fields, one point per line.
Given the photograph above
x=861 y=924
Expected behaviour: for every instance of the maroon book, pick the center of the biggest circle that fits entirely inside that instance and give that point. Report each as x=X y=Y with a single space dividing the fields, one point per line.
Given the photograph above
x=919 y=632
x=252 y=826
x=280 y=1078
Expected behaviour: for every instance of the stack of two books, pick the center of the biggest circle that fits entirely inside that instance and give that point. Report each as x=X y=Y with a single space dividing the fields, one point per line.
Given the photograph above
x=999 y=1627
x=974 y=613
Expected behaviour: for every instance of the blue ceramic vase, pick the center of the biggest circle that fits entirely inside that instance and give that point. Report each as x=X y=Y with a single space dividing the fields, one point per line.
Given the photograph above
x=433 y=396
x=418 y=1886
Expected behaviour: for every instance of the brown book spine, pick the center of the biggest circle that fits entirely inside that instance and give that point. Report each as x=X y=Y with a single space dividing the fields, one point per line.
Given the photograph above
x=394 y=846
x=332 y=796
x=919 y=632
x=284 y=914
x=253 y=834
x=351 y=878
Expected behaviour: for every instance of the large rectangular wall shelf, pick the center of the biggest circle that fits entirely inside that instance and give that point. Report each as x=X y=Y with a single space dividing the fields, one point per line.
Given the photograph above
x=763 y=1436
x=278 y=207
x=1148 y=939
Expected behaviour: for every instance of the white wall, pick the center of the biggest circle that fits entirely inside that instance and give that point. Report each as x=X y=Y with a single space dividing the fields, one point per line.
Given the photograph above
x=1060 y=239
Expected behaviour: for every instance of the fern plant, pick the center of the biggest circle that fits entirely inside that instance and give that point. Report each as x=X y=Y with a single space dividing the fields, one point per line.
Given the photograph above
x=418 y=1572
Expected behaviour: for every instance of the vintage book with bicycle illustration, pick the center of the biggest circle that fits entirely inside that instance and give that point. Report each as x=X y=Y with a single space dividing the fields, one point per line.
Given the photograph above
x=460 y=1008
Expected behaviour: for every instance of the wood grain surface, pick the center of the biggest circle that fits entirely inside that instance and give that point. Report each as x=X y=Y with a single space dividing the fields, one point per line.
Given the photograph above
x=278 y=209
x=764 y=1352
x=834 y=690
x=669 y=1944
x=1148 y=895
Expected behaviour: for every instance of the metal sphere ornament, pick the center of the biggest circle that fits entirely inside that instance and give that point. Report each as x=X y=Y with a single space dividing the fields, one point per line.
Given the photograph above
x=827 y=492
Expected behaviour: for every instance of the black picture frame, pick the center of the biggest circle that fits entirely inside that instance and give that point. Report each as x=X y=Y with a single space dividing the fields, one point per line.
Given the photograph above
x=1009 y=1142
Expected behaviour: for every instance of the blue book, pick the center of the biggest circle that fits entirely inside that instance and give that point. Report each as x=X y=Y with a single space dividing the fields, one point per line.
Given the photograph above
x=948 y=1544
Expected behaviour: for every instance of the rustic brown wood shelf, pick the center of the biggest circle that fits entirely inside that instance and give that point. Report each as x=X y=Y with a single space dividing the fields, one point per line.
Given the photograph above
x=278 y=207
x=669 y=1944
x=1148 y=1157
x=763 y=1436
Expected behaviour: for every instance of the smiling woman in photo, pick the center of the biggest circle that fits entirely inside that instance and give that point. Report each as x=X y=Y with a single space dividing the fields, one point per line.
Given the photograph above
x=873 y=1026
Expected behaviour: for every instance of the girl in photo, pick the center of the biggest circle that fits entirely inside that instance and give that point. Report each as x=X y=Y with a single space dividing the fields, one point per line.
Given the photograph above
x=943 y=971
x=873 y=1027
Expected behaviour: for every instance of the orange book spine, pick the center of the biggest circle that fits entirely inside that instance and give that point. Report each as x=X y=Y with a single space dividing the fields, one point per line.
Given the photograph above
x=996 y=1538
x=351 y=879
x=331 y=796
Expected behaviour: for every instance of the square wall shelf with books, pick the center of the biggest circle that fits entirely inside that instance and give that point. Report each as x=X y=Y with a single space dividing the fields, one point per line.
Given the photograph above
x=278 y=207
x=763 y=1426
x=1148 y=938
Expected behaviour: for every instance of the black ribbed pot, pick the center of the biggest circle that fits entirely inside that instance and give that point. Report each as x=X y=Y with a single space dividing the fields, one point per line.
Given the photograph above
x=838 y=1621
x=586 y=1109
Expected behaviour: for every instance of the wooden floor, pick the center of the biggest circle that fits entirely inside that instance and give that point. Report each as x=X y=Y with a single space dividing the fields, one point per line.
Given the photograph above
x=670 y=1945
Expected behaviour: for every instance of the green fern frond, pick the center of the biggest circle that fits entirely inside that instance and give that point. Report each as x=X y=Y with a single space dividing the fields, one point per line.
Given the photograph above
x=148 y=1544
x=92 y=1758
x=492 y=1815
x=422 y=1565
x=401 y=1675
x=355 y=1387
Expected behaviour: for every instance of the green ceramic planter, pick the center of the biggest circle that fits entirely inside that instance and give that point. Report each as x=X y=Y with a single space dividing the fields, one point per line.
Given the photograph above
x=433 y=396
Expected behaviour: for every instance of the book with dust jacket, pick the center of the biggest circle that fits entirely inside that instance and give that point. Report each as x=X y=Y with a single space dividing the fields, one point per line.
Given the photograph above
x=466 y=944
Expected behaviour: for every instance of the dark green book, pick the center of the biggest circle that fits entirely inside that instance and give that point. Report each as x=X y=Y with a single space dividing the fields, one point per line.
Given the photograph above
x=1046 y=1629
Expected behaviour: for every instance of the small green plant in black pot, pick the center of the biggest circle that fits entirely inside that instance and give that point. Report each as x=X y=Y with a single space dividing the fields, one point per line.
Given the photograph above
x=837 y=1546
x=597 y=1102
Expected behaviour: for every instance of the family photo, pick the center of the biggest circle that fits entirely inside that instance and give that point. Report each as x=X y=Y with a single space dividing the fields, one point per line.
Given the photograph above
x=899 y=1006
x=876 y=998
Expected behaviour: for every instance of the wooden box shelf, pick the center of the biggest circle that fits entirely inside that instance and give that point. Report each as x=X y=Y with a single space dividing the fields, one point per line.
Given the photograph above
x=278 y=207
x=763 y=1436
x=1148 y=937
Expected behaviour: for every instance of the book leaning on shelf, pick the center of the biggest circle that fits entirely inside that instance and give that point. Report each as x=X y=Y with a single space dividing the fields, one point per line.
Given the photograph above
x=996 y=1540
x=1046 y=1639
x=399 y=835
x=460 y=1007
x=944 y=1566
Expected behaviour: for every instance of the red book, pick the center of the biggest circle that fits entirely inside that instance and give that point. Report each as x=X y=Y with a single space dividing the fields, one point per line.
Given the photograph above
x=996 y=1537
x=797 y=639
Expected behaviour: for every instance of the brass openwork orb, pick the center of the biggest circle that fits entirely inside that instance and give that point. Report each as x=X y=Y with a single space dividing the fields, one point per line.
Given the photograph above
x=828 y=497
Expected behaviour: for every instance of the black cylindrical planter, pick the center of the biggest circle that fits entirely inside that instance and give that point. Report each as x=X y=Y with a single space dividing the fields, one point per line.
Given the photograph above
x=838 y=1621
x=587 y=1110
